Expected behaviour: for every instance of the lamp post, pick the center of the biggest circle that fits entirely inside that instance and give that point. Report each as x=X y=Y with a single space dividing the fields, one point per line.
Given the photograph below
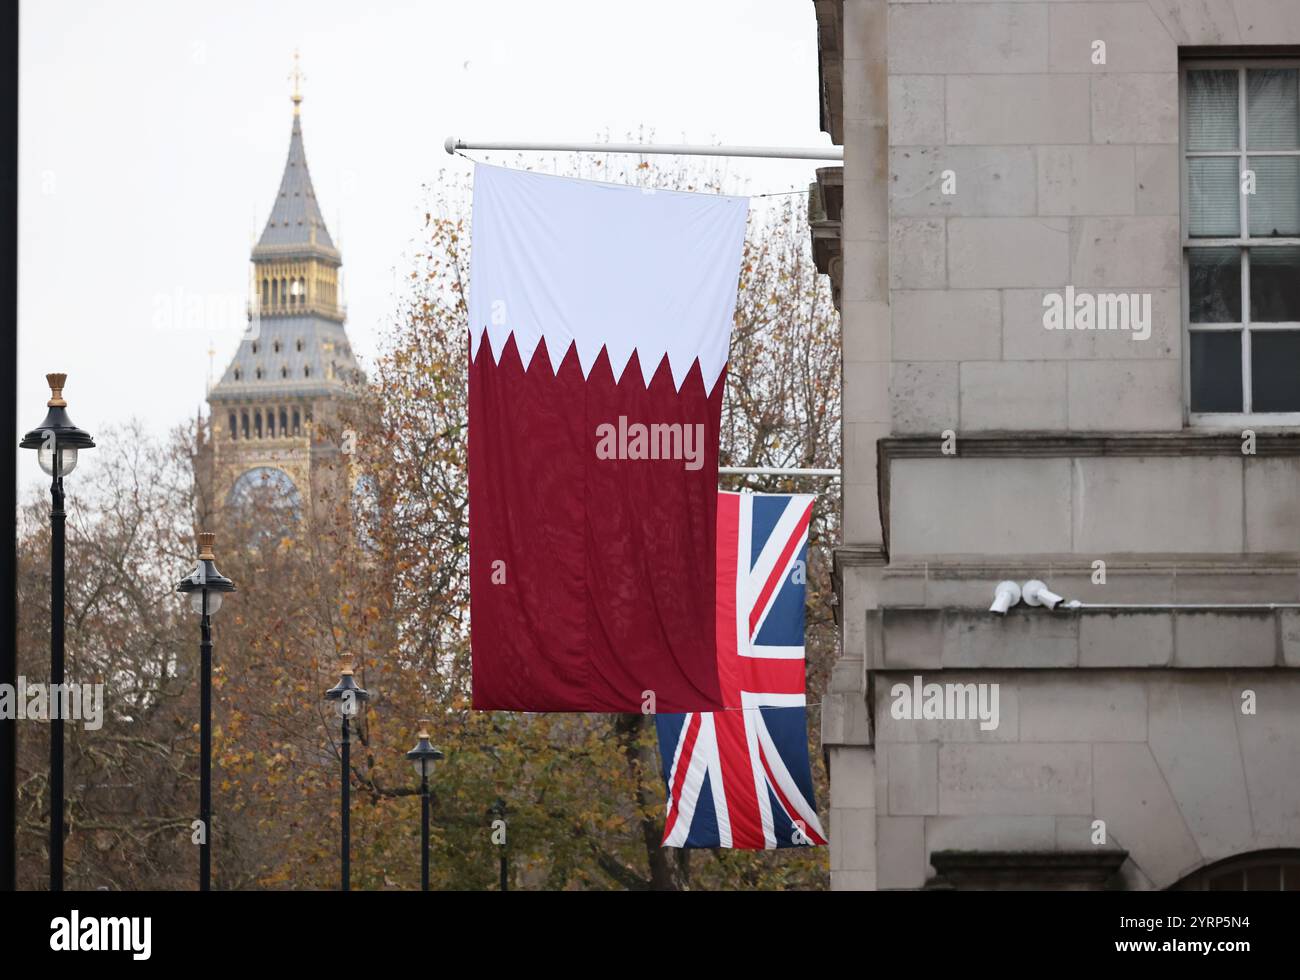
x=497 y=812
x=349 y=698
x=57 y=442
x=205 y=586
x=423 y=756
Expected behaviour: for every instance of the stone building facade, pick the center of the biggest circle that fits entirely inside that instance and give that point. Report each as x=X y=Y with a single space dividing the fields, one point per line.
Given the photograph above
x=1065 y=244
x=273 y=433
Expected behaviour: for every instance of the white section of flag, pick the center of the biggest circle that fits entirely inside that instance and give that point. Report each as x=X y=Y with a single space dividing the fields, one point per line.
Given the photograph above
x=604 y=265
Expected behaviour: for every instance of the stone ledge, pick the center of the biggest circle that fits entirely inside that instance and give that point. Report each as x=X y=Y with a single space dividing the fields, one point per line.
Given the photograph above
x=967 y=581
x=851 y=557
x=856 y=555
x=1045 y=565
x=930 y=639
x=846 y=714
x=1050 y=444
x=830 y=67
x=1041 y=463
x=1026 y=870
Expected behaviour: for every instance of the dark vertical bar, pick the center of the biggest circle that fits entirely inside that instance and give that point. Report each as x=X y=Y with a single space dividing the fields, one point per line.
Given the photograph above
x=8 y=462
x=424 y=830
x=347 y=830
x=505 y=877
x=57 y=520
x=205 y=748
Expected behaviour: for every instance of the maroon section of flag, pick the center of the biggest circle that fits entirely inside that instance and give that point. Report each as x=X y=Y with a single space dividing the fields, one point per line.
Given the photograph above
x=592 y=563
x=600 y=316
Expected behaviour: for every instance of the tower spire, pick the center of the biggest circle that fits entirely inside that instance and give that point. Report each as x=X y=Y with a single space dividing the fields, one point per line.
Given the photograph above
x=295 y=221
x=296 y=76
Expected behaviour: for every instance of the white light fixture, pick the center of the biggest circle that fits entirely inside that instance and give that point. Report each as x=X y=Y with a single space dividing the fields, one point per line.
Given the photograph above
x=1006 y=595
x=67 y=458
x=196 y=602
x=1037 y=593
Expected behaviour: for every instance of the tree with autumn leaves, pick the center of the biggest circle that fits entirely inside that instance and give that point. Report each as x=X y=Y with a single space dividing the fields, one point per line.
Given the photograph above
x=379 y=571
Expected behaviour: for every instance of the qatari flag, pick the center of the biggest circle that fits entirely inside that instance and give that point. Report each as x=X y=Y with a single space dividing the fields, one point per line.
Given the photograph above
x=600 y=317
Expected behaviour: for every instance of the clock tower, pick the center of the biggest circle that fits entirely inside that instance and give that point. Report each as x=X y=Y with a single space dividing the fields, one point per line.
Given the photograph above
x=272 y=412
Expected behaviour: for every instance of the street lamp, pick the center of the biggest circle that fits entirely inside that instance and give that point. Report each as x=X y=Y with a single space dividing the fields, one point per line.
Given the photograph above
x=349 y=698
x=423 y=756
x=205 y=586
x=57 y=442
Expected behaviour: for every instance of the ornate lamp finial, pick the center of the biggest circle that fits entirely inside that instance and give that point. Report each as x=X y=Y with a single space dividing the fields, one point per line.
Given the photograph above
x=345 y=665
x=296 y=76
x=56 y=382
x=206 y=540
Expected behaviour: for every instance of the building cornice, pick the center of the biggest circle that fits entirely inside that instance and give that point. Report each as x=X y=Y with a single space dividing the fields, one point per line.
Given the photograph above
x=1023 y=445
x=830 y=67
x=281 y=253
x=852 y=556
x=1047 y=445
x=1092 y=870
x=825 y=226
x=257 y=393
x=1192 y=636
x=326 y=311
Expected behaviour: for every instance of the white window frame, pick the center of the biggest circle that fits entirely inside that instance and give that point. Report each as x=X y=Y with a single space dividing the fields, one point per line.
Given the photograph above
x=1246 y=418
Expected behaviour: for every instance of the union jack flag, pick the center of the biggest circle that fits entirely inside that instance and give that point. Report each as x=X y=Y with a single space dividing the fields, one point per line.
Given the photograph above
x=740 y=778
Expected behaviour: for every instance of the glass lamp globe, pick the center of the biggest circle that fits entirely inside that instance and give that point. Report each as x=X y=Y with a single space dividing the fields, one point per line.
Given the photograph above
x=346 y=694
x=68 y=463
x=205 y=578
x=424 y=767
x=57 y=440
x=424 y=755
x=196 y=602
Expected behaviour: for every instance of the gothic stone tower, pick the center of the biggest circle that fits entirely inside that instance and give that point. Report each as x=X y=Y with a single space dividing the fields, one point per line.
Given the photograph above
x=273 y=413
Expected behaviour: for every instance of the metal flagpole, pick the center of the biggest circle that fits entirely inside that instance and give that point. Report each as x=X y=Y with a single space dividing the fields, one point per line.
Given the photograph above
x=776 y=471
x=452 y=144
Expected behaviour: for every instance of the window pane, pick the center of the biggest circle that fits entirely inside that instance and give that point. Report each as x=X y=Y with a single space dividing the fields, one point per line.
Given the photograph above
x=1274 y=208
x=1212 y=110
x=1265 y=879
x=1275 y=285
x=1227 y=881
x=1213 y=195
x=1216 y=371
x=1275 y=370
x=1273 y=109
x=1290 y=877
x=1215 y=280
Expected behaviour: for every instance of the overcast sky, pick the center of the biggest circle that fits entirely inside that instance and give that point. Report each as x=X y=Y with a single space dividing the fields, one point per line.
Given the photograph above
x=153 y=136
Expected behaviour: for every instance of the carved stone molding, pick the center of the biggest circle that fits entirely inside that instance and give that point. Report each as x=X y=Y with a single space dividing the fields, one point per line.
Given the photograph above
x=830 y=67
x=1026 y=870
x=1039 y=444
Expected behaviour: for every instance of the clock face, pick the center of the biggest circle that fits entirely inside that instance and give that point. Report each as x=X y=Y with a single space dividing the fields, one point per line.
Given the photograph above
x=268 y=492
